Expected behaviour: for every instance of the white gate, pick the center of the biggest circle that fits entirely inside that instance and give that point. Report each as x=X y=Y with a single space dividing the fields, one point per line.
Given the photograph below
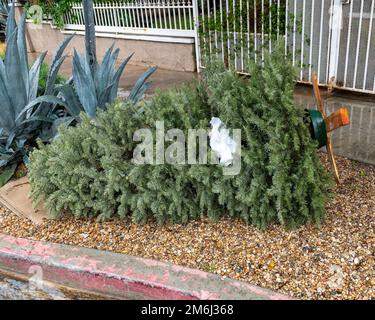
x=332 y=38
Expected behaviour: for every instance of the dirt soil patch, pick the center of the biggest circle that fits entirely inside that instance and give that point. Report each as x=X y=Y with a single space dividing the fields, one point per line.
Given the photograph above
x=335 y=261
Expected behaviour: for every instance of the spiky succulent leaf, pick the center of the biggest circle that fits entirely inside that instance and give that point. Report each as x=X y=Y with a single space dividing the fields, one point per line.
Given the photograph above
x=38 y=101
x=71 y=100
x=7 y=174
x=14 y=75
x=84 y=84
x=116 y=78
x=7 y=119
x=138 y=89
x=33 y=76
x=102 y=74
x=22 y=51
x=56 y=64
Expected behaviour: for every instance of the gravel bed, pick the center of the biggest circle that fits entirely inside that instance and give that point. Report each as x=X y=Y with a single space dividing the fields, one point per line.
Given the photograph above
x=335 y=261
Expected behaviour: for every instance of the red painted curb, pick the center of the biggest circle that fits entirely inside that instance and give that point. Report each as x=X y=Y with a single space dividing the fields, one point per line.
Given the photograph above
x=120 y=275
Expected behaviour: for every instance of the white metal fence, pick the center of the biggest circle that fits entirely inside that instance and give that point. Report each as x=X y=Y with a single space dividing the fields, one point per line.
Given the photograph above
x=153 y=17
x=333 y=38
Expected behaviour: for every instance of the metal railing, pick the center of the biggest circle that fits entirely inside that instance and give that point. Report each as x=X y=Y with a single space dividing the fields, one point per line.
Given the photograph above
x=332 y=38
x=152 y=17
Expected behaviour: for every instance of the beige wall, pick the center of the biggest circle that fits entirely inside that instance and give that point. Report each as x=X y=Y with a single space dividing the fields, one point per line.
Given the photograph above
x=165 y=55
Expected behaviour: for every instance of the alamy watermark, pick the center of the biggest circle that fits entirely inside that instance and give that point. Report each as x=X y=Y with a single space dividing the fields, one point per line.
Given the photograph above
x=200 y=147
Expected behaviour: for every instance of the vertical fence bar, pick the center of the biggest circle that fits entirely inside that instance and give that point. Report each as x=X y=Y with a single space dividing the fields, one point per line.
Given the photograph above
x=248 y=28
x=255 y=31
x=320 y=39
x=234 y=35
x=278 y=20
x=169 y=14
x=208 y=26
x=107 y=21
x=96 y=16
x=368 y=45
x=184 y=14
x=335 y=40
x=139 y=15
x=203 y=28
x=241 y=35
x=358 y=44
x=294 y=31
x=331 y=12
x=348 y=42
x=286 y=25
x=112 y=12
x=125 y=15
x=190 y=17
x=222 y=31
x=146 y=5
x=156 y=22
x=216 y=43
x=174 y=15
x=311 y=38
x=303 y=38
x=164 y=15
x=116 y=16
x=228 y=34
x=140 y=6
x=150 y=6
x=132 y=15
x=262 y=27
x=270 y=26
x=196 y=34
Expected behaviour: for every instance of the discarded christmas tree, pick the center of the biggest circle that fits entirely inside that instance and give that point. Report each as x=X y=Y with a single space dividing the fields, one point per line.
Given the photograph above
x=88 y=170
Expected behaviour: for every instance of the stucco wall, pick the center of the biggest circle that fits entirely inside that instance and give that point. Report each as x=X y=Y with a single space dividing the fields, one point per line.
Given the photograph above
x=165 y=55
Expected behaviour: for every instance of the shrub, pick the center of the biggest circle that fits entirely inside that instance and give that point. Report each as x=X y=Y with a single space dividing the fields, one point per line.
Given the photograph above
x=88 y=172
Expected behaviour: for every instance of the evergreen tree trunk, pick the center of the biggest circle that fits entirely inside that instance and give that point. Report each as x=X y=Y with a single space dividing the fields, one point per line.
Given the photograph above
x=88 y=12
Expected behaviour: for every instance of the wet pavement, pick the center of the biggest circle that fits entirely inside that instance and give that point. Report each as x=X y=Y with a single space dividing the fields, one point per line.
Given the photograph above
x=25 y=289
x=357 y=140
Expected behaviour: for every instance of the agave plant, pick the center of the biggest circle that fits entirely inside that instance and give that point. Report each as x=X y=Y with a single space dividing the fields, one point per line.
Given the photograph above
x=96 y=85
x=18 y=89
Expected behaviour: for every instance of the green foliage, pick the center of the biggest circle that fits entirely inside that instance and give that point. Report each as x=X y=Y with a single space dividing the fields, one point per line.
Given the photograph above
x=54 y=9
x=58 y=8
x=88 y=170
x=43 y=77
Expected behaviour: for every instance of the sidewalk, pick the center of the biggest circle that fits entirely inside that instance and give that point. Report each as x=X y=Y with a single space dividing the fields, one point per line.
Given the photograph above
x=120 y=276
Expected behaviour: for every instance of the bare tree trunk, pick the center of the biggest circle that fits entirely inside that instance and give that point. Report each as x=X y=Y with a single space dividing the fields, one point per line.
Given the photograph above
x=88 y=12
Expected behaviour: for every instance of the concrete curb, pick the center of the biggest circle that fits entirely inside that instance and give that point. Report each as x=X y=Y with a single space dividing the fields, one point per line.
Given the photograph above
x=119 y=275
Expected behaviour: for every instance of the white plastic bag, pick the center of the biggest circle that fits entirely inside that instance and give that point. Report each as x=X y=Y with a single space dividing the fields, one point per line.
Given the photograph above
x=220 y=142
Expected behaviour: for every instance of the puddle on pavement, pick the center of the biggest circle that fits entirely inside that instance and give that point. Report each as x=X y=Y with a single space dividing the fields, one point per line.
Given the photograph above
x=357 y=140
x=19 y=289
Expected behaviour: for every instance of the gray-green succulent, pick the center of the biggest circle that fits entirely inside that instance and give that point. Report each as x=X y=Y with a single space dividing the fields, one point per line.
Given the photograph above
x=23 y=116
x=96 y=85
